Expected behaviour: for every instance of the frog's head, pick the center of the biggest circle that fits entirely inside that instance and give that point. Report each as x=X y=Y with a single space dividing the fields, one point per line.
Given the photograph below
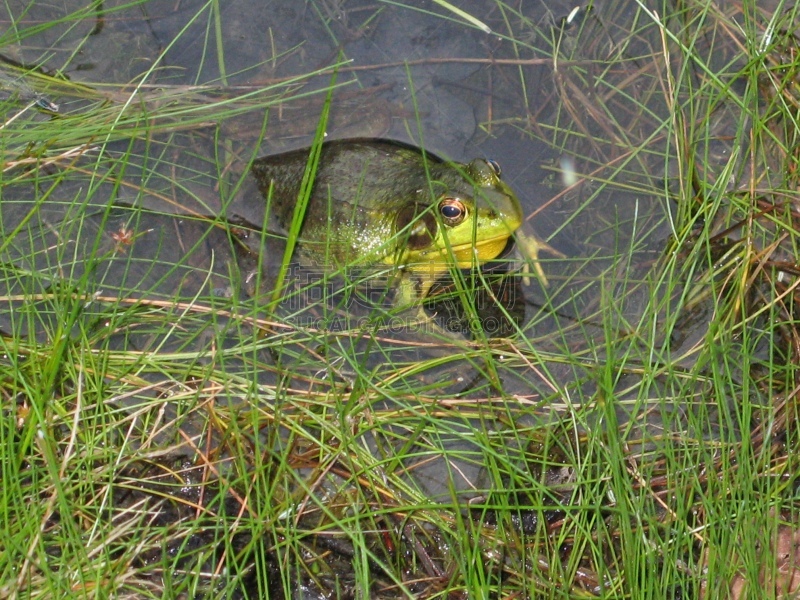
x=468 y=221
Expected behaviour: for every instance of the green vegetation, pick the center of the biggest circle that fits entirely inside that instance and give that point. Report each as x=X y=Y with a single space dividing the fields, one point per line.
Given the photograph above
x=176 y=424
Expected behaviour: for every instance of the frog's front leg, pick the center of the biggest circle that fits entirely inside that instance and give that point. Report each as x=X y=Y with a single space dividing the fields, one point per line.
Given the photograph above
x=529 y=246
x=411 y=290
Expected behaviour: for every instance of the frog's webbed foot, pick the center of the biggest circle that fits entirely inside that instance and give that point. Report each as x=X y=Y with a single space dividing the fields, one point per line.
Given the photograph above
x=529 y=246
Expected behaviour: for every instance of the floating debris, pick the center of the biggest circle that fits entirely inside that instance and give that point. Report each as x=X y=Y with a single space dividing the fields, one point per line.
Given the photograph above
x=14 y=85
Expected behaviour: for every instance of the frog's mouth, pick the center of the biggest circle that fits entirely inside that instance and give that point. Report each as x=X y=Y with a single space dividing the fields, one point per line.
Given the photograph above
x=481 y=251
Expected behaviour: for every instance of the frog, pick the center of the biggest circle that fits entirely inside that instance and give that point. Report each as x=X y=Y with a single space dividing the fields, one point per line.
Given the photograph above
x=395 y=207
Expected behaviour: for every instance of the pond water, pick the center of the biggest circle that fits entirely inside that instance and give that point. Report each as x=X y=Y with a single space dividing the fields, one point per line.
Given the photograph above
x=450 y=87
x=582 y=140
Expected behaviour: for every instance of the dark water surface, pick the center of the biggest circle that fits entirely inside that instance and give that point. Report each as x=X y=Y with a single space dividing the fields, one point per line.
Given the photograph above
x=419 y=75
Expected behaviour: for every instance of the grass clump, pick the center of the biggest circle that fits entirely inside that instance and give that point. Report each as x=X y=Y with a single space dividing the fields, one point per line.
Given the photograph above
x=170 y=429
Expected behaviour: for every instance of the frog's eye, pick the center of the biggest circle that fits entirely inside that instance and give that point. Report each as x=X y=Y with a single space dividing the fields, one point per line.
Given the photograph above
x=453 y=211
x=494 y=165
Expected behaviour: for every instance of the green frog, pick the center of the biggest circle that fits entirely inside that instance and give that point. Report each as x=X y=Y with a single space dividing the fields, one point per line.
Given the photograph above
x=384 y=204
